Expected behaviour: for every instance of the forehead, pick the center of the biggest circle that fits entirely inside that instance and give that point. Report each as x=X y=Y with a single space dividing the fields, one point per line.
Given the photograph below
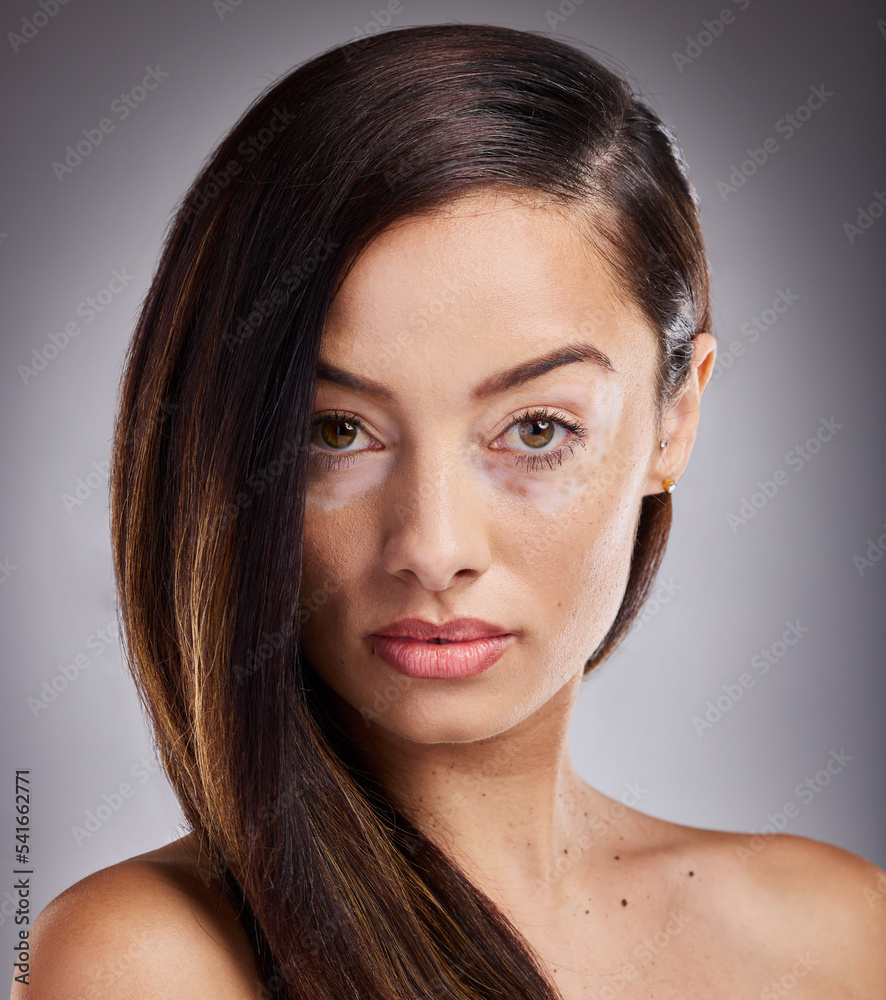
x=492 y=273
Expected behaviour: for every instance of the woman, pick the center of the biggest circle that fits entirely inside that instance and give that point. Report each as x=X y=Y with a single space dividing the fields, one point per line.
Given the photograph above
x=417 y=374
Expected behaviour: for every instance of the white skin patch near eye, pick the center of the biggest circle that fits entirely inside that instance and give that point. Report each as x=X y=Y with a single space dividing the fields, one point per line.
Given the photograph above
x=554 y=468
x=425 y=498
x=553 y=483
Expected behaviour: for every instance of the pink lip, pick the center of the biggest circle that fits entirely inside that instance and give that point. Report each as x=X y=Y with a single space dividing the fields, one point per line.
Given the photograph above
x=428 y=659
x=472 y=646
x=457 y=630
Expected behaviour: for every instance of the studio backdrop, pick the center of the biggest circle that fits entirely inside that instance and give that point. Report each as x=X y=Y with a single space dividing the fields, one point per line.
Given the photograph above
x=750 y=694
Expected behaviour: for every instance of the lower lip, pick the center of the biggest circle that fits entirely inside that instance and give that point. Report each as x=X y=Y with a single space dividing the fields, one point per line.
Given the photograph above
x=444 y=660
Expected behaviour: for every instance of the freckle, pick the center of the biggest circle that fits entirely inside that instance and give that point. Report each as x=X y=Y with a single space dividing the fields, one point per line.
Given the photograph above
x=624 y=902
x=617 y=858
x=587 y=911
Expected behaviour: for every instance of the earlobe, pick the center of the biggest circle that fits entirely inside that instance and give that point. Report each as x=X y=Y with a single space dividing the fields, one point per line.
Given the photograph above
x=680 y=420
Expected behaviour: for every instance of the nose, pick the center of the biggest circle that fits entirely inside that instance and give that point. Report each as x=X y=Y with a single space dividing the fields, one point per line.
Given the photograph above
x=436 y=530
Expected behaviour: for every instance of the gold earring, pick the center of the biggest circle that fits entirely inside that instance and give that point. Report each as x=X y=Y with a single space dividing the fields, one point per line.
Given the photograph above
x=669 y=485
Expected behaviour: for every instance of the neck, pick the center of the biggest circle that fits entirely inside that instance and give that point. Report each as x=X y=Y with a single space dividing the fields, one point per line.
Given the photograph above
x=509 y=809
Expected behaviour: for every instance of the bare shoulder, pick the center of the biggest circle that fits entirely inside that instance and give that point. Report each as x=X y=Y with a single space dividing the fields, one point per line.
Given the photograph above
x=837 y=896
x=148 y=926
x=815 y=909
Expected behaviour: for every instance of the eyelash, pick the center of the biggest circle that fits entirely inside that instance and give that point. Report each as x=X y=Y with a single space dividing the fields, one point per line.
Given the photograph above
x=527 y=460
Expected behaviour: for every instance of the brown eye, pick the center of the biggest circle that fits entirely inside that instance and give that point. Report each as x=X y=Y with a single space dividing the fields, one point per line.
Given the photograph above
x=533 y=431
x=332 y=435
x=541 y=432
x=336 y=433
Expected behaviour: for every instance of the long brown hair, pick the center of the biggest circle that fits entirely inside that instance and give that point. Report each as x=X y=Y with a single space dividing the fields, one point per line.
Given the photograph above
x=341 y=894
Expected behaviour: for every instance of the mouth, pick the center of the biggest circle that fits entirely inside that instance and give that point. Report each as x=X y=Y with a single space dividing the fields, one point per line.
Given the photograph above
x=456 y=630
x=458 y=648
x=438 y=658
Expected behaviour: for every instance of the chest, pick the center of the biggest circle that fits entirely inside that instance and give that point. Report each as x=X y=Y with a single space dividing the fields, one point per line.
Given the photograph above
x=673 y=956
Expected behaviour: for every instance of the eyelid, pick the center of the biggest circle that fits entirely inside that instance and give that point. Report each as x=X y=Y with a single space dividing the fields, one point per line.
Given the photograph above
x=533 y=459
x=552 y=414
x=577 y=432
x=342 y=416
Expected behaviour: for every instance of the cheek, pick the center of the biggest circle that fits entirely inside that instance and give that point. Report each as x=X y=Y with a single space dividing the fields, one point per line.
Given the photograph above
x=573 y=570
x=329 y=491
x=583 y=470
x=574 y=523
x=331 y=554
x=574 y=562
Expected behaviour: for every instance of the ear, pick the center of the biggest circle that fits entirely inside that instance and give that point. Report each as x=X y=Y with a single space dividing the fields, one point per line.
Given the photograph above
x=680 y=418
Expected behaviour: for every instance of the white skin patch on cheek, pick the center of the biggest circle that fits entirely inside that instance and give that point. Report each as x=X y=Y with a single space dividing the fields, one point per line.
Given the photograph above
x=551 y=489
x=331 y=490
x=586 y=467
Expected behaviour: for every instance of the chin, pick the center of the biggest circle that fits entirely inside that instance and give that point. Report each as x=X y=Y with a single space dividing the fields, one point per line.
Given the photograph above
x=429 y=726
x=447 y=714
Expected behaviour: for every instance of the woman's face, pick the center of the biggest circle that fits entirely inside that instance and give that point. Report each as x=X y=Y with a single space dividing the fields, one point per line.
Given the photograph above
x=432 y=495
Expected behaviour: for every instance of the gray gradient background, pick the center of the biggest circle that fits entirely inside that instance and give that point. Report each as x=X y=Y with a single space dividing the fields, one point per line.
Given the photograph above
x=732 y=592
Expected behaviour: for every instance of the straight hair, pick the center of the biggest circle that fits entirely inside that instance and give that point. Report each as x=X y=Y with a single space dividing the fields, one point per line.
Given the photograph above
x=339 y=893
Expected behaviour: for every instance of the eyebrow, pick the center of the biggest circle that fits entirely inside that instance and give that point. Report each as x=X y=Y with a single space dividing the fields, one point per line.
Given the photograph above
x=495 y=384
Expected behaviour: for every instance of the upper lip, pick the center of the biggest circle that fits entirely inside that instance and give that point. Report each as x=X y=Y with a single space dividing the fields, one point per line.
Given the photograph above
x=457 y=630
